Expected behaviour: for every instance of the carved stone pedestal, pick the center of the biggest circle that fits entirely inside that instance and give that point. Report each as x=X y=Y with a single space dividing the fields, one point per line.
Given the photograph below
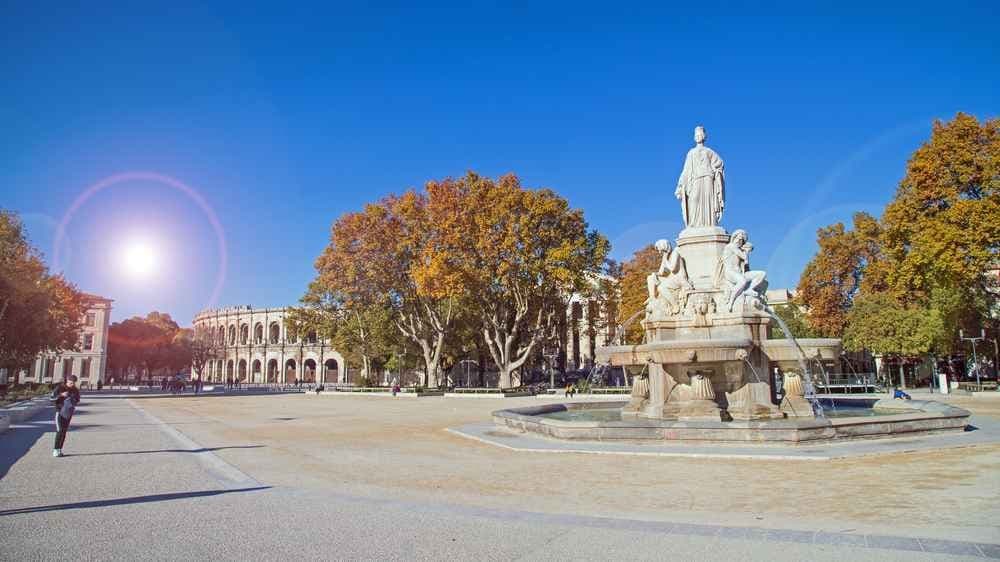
x=640 y=395
x=700 y=404
x=753 y=402
x=794 y=404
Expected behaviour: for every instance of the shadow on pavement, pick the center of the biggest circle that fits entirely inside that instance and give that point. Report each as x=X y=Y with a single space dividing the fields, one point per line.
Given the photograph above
x=126 y=501
x=199 y=450
x=21 y=437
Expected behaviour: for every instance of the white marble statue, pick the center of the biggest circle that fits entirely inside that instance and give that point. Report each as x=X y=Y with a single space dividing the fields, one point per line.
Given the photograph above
x=701 y=187
x=734 y=274
x=668 y=285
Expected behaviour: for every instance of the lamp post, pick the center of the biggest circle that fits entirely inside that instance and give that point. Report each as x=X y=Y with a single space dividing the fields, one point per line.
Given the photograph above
x=982 y=336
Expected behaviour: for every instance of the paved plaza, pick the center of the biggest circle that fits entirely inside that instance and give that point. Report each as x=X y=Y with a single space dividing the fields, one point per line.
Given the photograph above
x=318 y=477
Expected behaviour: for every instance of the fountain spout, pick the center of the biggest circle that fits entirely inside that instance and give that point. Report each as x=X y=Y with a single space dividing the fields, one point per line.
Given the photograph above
x=810 y=390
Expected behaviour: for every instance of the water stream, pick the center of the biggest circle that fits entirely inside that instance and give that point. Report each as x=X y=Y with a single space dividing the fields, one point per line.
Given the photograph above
x=807 y=384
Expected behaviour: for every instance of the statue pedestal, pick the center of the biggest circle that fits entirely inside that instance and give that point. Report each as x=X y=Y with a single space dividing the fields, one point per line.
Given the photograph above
x=702 y=249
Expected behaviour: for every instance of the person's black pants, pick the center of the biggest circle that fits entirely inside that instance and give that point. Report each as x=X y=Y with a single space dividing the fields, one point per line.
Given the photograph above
x=62 y=425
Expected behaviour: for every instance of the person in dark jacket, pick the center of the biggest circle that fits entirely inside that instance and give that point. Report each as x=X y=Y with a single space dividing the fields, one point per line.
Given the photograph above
x=66 y=397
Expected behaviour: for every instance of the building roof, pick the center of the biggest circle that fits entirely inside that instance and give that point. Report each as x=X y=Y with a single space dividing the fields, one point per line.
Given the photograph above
x=93 y=297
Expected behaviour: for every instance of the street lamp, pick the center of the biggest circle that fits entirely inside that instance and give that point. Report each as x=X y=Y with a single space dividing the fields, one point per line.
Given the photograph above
x=982 y=336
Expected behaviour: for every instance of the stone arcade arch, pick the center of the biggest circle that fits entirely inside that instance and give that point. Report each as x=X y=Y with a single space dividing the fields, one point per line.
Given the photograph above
x=244 y=334
x=309 y=370
x=232 y=334
x=274 y=332
x=230 y=375
x=289 y=371
x=272 y=370
x=330 y=373
x=258 y=334
x=241 y=373
x=220 y=336
x=255 y=371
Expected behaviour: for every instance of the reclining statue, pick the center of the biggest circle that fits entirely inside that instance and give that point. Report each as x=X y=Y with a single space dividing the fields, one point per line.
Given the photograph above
x=733 y=273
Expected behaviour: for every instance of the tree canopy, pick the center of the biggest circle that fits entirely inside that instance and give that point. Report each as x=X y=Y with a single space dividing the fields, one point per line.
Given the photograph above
x=39 y=311
x=463 y=254
x=905 y=284
x=142 y=345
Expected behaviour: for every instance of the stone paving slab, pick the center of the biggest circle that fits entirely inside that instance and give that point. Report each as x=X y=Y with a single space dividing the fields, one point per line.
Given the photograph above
x=134 y=487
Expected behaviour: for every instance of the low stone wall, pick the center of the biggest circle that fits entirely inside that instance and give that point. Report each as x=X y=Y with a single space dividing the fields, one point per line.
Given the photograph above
x=923 y=417
x=505 y=394
x=387 y=394
x=22 y=411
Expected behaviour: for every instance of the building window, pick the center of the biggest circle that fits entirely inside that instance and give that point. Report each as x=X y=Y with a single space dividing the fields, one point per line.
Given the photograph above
x=91 y=320
x=49 y=367
x=88 y=342
x=85 y=368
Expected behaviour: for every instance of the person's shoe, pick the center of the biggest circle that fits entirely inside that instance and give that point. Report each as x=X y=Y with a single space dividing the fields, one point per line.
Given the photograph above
x=57 y=452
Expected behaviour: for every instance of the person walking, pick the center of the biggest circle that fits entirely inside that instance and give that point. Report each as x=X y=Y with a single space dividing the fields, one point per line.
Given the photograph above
x=66 y=396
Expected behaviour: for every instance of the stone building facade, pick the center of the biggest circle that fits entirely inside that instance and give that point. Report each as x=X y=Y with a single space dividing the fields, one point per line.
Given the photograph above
x=253 y=345
x=90 y=362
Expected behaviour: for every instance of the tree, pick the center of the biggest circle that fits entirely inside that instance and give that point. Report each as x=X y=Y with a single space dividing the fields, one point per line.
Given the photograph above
x=363 y=331
x=633 y=289
x=522 y=254
x=197 y=346
x=834 y=276
x=880 y=324
x=391 y=252
x=942 y=229
x=930 y=255
x=145 y=345
x=797 y=322
x=38 y=311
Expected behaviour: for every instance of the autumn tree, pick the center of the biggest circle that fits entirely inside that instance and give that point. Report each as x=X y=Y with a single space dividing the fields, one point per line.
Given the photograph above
x=145 y=345
x=39 y=311
x=393 y=252
x=634 y=292
x=523 y=252
x=930 y=254
x=834 y=276
x=942 y=229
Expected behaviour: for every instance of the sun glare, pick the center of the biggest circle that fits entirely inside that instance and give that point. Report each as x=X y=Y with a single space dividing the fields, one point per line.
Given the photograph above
x=139 y=259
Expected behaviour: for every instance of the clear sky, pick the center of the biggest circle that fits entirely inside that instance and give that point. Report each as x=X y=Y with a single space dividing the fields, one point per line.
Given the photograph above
x=281 y=117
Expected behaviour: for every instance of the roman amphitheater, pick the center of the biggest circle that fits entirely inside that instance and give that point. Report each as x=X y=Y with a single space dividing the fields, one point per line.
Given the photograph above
x=253 y=345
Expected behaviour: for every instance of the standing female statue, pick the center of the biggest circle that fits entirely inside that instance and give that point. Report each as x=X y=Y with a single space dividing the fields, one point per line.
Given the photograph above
x=701 y=187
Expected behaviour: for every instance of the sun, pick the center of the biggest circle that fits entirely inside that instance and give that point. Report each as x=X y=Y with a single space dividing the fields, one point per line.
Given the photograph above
x=139 y=259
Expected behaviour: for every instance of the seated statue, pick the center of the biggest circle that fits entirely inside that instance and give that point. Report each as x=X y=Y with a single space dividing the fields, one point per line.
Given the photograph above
x=668 y=286
x=734 y=274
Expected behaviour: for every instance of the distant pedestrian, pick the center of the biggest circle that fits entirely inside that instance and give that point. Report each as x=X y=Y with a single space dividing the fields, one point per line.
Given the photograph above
x=898 y=394
x=395 y=388
x=66 y=397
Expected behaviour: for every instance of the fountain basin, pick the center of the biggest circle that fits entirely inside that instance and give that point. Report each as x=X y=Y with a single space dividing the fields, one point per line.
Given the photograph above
x=595 y=421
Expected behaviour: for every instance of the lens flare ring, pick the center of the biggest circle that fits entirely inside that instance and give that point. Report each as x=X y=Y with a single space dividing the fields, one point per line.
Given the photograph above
x=206 y=208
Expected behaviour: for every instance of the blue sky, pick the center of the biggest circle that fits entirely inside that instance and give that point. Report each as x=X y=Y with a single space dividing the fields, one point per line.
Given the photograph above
x=284 y=117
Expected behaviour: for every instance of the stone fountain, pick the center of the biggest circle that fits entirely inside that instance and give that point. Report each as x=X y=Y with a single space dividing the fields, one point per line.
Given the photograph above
x=706 y=321
x=707 y=365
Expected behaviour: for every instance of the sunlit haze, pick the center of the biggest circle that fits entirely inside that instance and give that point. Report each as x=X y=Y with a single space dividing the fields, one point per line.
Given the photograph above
x=139 y=259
